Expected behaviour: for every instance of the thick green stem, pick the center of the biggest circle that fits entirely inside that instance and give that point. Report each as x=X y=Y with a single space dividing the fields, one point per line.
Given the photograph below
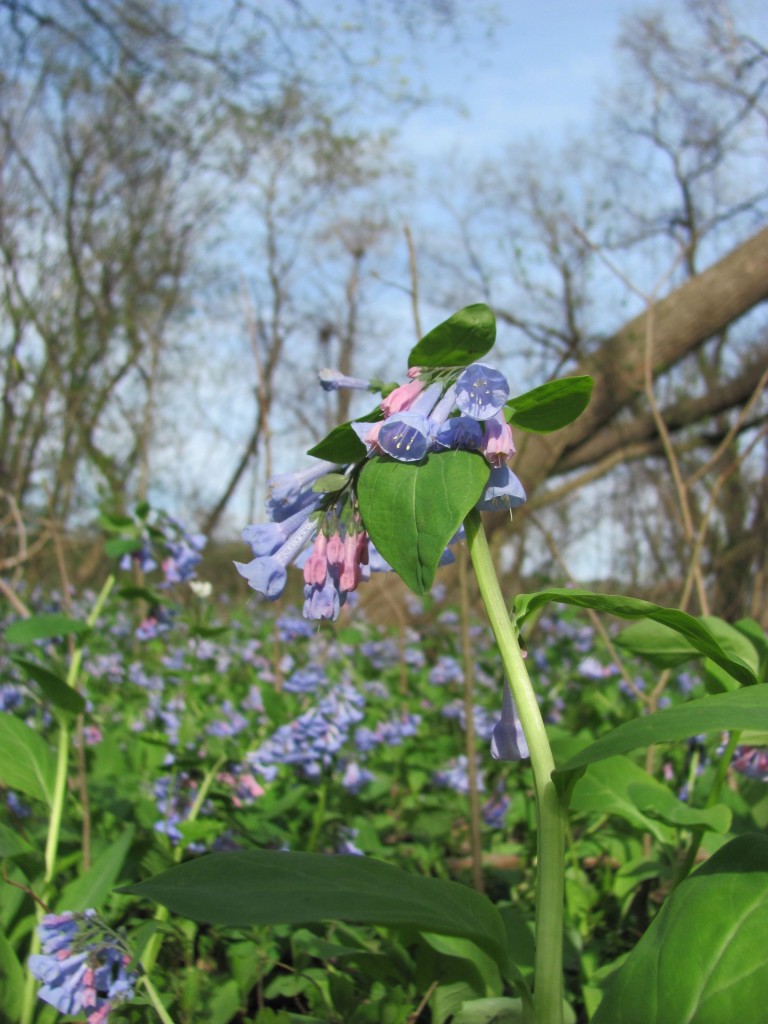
x=550 y=811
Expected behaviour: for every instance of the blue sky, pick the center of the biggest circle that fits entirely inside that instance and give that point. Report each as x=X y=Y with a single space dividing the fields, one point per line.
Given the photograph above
x=538 y=75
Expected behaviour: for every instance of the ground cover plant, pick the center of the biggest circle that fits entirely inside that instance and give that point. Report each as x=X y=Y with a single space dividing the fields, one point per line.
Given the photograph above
x=225 y=813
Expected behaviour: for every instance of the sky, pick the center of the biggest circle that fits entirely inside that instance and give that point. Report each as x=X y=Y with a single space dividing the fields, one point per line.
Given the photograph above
x=534 y=73
x=537 y=76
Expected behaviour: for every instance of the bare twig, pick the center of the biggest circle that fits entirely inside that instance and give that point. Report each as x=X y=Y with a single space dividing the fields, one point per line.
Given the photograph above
x=412 y=266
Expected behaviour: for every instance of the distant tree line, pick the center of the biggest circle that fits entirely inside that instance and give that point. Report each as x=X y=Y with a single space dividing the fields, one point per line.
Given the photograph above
x=195 y=214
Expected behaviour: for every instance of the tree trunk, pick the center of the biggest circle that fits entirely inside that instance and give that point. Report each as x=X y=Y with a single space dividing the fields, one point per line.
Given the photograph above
x=696 y=311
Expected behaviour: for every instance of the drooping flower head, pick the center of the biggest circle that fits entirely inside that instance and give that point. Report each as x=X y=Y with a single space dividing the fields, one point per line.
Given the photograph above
x=508 y=742
x=84 y=965
x=315 y=519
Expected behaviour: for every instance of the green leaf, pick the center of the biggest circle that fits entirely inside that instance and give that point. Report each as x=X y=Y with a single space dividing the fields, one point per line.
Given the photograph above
x=115 y=523
x=550 y=406
x=667 y=647
x=342 y=445
x=692 y=629
x=457 y=341
x=55 y=689
x=12 y=844
x=133 y=593
x=746 y=708
x=618 y=786
x=42 y=627
x=329 y=483
x=92 y=888
x=119 y=546
x=27 y=763
x=411 y=511
x=756 y=634
x=257 y=887
x=12 y=982
x=702 y=959
x=495 y=1010
x=484 y=971
x=500 y=1010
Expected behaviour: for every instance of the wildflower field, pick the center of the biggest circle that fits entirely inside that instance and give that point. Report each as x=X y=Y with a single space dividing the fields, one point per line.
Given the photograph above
x=253 y=729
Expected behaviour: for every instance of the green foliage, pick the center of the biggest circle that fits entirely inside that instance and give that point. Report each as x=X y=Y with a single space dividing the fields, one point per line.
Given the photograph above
x=262 y=887
x=461 y=339
x=412 y=511
x=310 y=935
x=54 y=688
x=43 y=627
x=618 y=786
x=703 y=957
x=342 y=445
x=743 y=709
x=27 y=763
x=700 y=637
x=551 y=406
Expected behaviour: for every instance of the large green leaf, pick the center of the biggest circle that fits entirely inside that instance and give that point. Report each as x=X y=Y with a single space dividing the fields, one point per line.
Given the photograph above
x=42 y=627
x=411 y=511
x=550 y=406
x=54 y=688
x=461 y=339
x=702 y=960
x=618 y=786
x=27 y=763
x=746 y=708
x=266 y=887
x=693 y=630
x=667 y=647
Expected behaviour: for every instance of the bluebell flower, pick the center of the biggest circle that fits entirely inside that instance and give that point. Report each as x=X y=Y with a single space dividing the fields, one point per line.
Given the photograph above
x=267 y=574
x=292 y=627
x=231 y=725
x=83 y=966
x=305 y=680
x=591 y=668
x=751 y=762
x=292 y=492
x=182 y=559
x=158 y=621
x=405 y=436
x=266 y=538
x=494 y=810
x=459 y=432
x=503 y=490
x=332 y=380
x=481 y=391
x=455 y=776
x=508 y=742
x=355 y=777
x=322 y=601
x=446 y=670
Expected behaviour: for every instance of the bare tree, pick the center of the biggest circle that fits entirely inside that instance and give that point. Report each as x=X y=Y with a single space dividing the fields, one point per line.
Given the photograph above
x=667 y=198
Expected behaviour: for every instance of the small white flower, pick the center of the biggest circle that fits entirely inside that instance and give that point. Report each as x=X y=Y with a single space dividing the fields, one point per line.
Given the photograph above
x=201 y=588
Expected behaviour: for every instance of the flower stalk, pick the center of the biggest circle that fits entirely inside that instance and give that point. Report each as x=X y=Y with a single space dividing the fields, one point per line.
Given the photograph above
x=550 y=811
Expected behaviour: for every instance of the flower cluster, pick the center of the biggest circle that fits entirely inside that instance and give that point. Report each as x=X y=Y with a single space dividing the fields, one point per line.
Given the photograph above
x=751 y=762
x=164 y=543
x=83 y=966
x=435 y=410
